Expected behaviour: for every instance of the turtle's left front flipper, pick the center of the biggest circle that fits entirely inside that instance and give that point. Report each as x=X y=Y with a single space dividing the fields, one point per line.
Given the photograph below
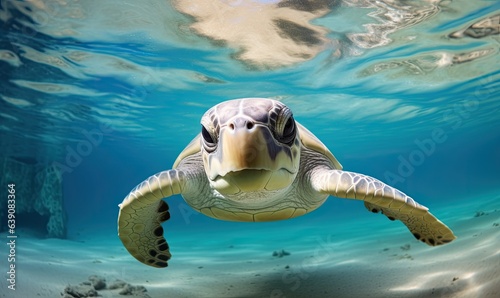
x=379 y=197
x=141 y=215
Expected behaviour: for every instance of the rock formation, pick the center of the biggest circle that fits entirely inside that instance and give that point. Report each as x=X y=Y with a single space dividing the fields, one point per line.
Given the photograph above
x=39 y=198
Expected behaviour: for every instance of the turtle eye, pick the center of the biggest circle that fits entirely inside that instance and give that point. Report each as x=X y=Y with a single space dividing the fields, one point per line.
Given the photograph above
x=286 y=129
x=208 y=140
x=289 y=129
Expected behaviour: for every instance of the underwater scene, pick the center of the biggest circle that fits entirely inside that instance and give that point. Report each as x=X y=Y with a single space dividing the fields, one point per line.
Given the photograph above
x=250 y=148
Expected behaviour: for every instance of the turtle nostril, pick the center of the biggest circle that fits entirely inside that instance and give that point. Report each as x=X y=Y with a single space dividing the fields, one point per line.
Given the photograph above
x=240 y=124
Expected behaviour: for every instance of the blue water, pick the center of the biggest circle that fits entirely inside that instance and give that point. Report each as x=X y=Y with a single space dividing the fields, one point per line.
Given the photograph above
x=111 y=93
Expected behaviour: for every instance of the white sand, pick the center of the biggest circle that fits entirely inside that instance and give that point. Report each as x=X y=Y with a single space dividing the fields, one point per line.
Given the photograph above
x=336 y=259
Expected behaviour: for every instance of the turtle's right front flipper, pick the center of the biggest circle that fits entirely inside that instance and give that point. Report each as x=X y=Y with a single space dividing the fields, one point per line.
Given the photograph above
x=380 y=197
x=141 y=214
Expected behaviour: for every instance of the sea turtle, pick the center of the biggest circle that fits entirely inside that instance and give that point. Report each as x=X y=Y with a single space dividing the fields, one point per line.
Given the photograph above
x=253 y=162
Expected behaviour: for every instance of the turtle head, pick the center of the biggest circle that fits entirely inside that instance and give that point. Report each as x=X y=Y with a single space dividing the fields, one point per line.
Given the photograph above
x=250 y=145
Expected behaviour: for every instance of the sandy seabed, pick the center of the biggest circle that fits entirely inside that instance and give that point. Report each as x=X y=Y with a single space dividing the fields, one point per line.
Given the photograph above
x=388 y=262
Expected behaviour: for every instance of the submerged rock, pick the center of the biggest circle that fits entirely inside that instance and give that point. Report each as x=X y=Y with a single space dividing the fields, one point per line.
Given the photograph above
x=280 y=253
x=117 y=284
x=137 y=291
x=38 y=192
x=80 y=291
x=97 y=283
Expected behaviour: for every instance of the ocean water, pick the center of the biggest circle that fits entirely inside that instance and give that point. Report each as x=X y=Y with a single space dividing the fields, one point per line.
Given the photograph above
x=106 y=93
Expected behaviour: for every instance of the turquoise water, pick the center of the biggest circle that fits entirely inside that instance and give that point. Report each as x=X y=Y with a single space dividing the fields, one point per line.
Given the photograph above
x=110 y=93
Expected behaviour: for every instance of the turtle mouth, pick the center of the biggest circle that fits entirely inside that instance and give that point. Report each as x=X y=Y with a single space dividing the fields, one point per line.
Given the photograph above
x=250 y=180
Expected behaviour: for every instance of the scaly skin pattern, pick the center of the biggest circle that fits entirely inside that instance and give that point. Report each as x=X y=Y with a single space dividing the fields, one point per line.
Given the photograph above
x=141 y=214
x=379 y=197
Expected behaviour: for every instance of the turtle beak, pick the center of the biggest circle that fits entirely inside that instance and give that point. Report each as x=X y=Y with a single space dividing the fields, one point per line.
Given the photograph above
x=247 y=159
x=246 y=149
